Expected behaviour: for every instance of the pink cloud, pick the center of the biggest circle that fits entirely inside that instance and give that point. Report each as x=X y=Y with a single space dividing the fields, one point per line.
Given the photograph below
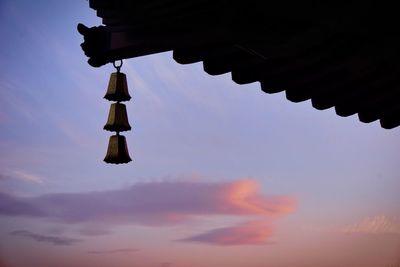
x=244 y=196
x=250 y=233
x=154 y=203
x=161 y=203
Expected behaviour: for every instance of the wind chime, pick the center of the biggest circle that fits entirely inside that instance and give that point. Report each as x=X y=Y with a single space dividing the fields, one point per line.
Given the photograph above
x=117 y=91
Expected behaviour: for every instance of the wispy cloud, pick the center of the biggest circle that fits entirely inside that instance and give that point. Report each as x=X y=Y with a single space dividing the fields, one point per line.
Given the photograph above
x=374 y=225
x=250 y=233
x=21 y=176
x=28 y=177
x=13 y=102
x=69 y=129
x=142 y=87
x=54 y=240
x=114 y=251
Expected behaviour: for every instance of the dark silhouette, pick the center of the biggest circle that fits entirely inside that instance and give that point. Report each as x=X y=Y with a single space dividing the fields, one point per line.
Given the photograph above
x=342 y=55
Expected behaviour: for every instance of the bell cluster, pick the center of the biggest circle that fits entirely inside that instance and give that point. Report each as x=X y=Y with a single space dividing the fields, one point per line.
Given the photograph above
x=117 y=91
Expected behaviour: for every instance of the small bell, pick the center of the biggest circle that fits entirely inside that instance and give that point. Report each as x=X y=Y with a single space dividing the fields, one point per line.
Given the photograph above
x=117 y=119
x=117 y=88
x=117 y=151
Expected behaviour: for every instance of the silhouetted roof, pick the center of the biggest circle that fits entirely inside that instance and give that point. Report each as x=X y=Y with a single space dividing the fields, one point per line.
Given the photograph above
x=342 y=55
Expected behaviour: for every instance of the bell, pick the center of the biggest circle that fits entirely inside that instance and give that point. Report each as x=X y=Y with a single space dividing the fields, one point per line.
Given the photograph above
x=117 y=151
x=117 y=119
x=117 y=88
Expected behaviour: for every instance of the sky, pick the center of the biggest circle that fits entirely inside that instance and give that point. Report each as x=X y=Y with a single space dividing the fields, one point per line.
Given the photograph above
x=222 y=174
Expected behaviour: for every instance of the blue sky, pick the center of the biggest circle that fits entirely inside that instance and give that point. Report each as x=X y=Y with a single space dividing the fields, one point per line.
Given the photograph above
x=188 y=127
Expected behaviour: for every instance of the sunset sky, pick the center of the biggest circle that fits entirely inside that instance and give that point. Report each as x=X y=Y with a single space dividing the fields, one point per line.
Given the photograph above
x=222 y=175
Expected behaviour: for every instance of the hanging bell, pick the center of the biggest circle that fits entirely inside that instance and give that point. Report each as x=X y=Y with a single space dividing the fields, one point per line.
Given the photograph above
x=117 y=119
x=117 y=151
x=117 y=88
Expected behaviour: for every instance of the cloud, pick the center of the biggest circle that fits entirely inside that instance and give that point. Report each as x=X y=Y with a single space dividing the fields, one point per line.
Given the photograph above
x=4 y=177
x=55 y=240
x=249 y=233
x=23 y=176
x=157 y=204
x=18 y=206
x=94 y=230
x=374 y=225
x=154 y=203
x=28 y=177
x=114 y=251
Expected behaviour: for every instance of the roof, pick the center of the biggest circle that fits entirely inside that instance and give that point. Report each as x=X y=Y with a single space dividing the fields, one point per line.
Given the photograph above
x=341 y=55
